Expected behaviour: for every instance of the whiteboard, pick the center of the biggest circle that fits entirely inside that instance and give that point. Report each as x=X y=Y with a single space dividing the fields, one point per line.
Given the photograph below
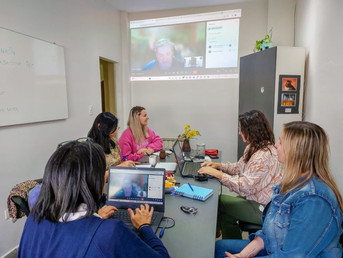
x=32 y=80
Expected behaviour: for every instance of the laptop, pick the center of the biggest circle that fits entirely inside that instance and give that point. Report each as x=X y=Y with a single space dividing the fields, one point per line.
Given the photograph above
x=186 y=168
x=170 y=167
x=131 y=187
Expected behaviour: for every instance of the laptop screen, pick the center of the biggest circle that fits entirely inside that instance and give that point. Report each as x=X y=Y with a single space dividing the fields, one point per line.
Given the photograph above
x=178 y=154
x=131 y=187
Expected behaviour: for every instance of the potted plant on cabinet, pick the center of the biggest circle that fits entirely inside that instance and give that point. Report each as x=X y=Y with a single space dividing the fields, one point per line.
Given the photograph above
x=265 y=43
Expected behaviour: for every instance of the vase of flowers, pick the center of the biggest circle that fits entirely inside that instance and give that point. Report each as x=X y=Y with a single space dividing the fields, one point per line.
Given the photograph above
x=186 y=136
x=186 y=146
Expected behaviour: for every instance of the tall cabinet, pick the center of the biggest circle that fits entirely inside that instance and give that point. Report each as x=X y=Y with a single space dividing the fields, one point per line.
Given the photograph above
x=272 y=81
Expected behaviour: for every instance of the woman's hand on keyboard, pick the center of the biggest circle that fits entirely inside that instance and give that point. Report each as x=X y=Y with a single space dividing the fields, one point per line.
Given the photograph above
x=212 y=165
x=143 y=215
x=211 y=171
x=106 y=211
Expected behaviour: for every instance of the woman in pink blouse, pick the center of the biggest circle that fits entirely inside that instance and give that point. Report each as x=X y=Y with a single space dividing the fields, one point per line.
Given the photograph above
x=138 y=139
x=252 y=177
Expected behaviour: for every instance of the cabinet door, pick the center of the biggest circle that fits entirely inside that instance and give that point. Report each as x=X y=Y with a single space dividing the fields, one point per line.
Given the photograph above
x=257 y=86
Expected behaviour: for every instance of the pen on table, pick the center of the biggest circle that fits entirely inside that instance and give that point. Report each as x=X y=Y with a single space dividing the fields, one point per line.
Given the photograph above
x=162 y=231
x=190 y=187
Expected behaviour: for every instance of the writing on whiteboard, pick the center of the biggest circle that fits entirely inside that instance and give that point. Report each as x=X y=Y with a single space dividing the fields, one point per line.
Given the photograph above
x=10 y=63
x=32 y=80
x=8 y=58
x=9 y=109
x=7 y=51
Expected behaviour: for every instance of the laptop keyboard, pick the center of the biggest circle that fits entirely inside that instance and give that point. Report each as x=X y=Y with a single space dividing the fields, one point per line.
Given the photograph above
x=192 y=167
x=124 y=216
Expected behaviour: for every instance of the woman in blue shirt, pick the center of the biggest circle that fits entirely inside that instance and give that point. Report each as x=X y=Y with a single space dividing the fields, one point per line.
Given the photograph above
x=304 y=217
x=64 y=222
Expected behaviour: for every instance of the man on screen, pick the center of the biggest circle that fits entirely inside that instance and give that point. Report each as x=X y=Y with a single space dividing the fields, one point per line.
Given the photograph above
x=128 y=190
x=165 y=60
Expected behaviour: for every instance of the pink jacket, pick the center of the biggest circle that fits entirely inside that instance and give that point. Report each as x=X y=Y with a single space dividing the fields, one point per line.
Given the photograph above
x=129 y=148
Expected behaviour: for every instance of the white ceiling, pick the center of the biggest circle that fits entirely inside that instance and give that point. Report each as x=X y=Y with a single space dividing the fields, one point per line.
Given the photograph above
x=154 y=5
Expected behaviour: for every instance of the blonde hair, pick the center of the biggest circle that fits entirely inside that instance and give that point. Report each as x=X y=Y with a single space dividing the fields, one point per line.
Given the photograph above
x=139 y=132
x=306 y=149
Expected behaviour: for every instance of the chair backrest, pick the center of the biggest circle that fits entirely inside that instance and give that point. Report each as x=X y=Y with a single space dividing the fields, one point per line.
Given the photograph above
x=22 y=203
x=249 y=227
x=168 y=142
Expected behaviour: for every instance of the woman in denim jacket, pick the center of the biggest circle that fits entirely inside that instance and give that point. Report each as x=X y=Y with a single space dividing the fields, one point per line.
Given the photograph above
x=304 y=217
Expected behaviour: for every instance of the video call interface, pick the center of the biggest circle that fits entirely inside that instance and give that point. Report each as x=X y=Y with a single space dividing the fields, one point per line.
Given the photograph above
x=140 y=187
x=200 y=46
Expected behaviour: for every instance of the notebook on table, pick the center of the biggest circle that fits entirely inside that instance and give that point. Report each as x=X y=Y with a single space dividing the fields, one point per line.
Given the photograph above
x=187 y=168
x=131 y=187
x=194 y=192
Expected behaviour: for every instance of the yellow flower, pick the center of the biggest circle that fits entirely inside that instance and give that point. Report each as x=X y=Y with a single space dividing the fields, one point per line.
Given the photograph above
x=189 y=133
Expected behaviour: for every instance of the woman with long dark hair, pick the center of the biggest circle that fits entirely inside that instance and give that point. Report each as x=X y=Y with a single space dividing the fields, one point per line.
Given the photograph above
x=64 y=222
x=252 y=177
x=104 y=132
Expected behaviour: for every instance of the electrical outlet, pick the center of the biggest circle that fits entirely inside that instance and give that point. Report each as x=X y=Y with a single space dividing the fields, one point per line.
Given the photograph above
x=7 y=216
x=90 y=110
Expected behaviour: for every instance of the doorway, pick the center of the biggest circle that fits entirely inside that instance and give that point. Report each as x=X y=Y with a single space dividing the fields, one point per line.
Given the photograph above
x=107 y=85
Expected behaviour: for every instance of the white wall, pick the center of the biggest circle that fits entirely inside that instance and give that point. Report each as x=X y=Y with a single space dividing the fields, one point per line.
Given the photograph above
x=87 y=29
x=210 y=106
x=318 y=28
x=281 y=21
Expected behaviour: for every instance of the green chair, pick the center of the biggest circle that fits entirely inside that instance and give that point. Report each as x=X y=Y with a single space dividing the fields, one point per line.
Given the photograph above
x=249 y=227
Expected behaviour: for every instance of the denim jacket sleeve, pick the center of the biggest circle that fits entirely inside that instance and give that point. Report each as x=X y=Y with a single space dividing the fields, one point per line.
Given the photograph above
x=309 y=228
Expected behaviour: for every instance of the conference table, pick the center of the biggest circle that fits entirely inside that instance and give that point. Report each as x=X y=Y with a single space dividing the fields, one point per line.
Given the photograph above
x=192 y=235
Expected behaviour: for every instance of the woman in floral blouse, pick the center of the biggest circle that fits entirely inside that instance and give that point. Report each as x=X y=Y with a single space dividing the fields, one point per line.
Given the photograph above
x=252 y=177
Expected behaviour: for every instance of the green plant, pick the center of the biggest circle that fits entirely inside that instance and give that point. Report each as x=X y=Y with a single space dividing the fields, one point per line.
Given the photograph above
x=267 y=39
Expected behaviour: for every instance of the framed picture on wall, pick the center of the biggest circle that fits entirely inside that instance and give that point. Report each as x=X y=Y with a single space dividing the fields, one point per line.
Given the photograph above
x=288 y=97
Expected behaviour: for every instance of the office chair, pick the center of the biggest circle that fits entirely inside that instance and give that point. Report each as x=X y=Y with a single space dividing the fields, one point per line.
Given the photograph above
x=249 y=227
x=168 y=142
x=22 y=203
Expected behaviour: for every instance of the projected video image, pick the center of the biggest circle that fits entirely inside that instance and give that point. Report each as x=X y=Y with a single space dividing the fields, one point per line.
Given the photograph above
x=199 y=46
x=158 y=50
x=222 y=44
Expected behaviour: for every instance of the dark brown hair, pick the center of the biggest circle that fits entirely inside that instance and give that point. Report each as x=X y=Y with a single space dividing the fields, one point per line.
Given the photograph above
x=257 y=130
x=104 y=124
